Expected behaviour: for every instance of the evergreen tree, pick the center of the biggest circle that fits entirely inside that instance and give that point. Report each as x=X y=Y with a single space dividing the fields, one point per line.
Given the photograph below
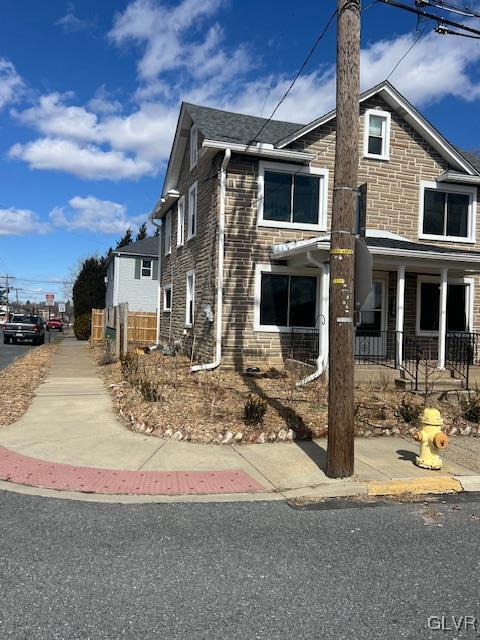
x=126 y=239
x=89 y=287
x=142 y=232
x=157 y=232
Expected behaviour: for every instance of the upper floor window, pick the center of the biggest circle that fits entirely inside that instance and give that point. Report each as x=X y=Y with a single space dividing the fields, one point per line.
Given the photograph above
x=447 y=212
x=192 y=211
x=376 y=143
x=291 y=196
x=193 y=146
x=168 y=234
x=146 y=269
x=181 y=222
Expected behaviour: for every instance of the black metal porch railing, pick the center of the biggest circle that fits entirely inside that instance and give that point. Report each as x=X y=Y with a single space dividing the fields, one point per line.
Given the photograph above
x=418 y=353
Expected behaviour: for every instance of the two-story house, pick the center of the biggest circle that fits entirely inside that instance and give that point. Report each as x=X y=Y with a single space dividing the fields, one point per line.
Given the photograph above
x=244 y=250
x=132 y=276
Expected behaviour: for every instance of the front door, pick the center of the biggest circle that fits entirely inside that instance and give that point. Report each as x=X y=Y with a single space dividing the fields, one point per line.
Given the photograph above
x=370 y=335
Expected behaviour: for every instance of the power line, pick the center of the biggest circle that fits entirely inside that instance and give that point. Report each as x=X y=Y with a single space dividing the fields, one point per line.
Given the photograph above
x=297 y=75
x=412 y=46
x=439 y=4
x=432 y=16
x=444 y=31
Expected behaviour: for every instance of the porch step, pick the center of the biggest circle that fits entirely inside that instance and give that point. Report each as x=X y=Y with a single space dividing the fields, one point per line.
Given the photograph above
x=439 y=386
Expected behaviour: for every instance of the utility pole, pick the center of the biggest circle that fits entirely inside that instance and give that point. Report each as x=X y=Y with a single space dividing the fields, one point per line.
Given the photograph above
x=340 y=452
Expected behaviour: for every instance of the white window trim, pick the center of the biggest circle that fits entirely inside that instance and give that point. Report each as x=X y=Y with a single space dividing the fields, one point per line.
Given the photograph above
x=472 y=212
x=149 y=277
x=293 y=168
x=469 y=300
x=385 y=155
x=167 y=287
x=168 y=234
x=191 y=235
x=273 y=268
x=181 y=222
x=193 y=146
x=190 y=273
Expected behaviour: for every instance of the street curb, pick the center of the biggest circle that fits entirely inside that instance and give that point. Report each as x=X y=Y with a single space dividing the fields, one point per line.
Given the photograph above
x=469 y=483
x=416 y=486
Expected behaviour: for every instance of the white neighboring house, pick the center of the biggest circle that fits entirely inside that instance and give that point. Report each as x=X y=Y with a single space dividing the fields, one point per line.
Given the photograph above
x=132 y=276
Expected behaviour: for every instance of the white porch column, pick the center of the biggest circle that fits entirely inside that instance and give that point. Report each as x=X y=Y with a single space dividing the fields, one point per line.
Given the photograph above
x=400 y=312
x=442 y=319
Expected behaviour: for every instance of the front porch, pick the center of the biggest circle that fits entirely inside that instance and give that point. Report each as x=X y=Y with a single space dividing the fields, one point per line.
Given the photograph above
x=419 y=314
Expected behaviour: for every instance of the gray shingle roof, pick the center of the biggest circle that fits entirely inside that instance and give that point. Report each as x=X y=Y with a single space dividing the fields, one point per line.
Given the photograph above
x=473 y=158
x=145 y=247
x=226 y=126
x=408 y=245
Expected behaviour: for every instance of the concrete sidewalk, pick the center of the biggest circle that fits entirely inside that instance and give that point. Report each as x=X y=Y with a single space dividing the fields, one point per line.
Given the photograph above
x=71 y=422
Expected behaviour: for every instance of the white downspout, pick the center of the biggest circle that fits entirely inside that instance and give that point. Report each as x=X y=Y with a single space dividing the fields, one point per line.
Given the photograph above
x=320 y=362
x=159 y=226
x=221 y=252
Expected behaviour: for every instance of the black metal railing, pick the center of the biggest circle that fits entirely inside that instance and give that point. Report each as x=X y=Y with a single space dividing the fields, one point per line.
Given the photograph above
x=376 y=347
x=302 y=344
x=461 y=354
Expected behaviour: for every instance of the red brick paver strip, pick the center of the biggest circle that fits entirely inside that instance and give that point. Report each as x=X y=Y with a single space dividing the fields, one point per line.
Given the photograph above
x=21 y=469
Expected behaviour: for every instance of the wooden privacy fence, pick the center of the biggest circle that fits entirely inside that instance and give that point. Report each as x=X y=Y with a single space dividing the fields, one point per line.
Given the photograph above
x=122 y=327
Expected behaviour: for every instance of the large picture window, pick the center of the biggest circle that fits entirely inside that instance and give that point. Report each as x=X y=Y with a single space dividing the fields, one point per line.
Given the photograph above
x=287 y=300
x=447 y=213
x=458 y=305
x=291 y=196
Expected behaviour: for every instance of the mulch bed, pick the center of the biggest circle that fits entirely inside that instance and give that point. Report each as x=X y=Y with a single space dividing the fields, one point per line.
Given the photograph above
x=19 y=381
x=208 y=407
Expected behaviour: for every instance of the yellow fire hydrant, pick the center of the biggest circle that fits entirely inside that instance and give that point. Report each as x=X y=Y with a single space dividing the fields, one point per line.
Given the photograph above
x=431 y=439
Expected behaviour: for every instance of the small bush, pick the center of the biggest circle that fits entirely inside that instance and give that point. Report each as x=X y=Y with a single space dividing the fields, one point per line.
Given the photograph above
x=275 y=374
x=107 y=358
x=149 y=390
x=408 y=411
x=471 y=408
x=82 y=327
x=254 y=411
x=130 y=366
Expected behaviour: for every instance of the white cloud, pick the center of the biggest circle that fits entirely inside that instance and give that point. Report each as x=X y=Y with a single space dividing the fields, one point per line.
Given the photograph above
x=71 y=22
x=103 y=102
x=88 y=161
x=92 y=214
x=11 y=84
x=20 y=222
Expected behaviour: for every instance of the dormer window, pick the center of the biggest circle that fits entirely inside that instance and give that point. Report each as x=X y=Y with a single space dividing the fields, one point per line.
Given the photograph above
x=376 y=143
x=193 y=146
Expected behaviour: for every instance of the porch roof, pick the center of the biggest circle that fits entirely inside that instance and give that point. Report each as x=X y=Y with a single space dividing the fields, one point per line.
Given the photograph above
x=386 y=248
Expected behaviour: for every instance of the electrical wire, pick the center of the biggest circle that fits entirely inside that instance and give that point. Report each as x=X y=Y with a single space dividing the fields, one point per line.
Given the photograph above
x=297 y=75
x=443 y=31
x=439 y=4
x=410 y=48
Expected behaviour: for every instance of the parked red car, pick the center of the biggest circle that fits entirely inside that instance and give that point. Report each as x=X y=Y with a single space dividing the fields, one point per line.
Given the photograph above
x=55 y=324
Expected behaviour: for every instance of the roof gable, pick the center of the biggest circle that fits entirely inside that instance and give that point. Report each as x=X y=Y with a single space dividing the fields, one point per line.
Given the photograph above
x=396 y=101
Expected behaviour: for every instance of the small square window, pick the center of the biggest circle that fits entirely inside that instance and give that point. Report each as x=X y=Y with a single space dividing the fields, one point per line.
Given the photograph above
x=446 y=214
x=146 y=268
x=377 y=134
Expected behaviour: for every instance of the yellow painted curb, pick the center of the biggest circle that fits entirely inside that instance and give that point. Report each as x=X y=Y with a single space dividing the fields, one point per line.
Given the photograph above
x=443 y=484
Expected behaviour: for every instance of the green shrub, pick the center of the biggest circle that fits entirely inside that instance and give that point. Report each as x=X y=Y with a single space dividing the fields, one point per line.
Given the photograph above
x=408 y=411
x=254 y=410
x=82 y=326
x=471 y=408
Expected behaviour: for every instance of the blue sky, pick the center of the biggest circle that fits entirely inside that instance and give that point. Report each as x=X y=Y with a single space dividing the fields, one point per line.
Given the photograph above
x=90 y=91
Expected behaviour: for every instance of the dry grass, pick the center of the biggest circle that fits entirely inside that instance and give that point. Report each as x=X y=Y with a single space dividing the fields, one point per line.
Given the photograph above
x=204 y=406
x=19 y=381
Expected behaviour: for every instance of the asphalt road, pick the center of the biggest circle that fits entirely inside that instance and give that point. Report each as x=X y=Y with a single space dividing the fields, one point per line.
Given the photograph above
x=71 y=570
x=10 y=352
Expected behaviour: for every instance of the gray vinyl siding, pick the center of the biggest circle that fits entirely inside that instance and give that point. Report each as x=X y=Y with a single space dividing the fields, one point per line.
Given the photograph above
x=110 y=285
x=141 y=294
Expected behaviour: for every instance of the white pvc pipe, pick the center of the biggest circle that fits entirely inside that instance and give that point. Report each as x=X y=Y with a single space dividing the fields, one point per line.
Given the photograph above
x=159 y=226
x=221 y=245
x=320 y=361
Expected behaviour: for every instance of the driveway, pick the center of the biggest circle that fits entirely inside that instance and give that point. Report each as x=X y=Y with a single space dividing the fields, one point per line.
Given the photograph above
x=10 y=352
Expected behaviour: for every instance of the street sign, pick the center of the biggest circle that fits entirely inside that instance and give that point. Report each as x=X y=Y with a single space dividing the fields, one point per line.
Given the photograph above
x=61 y=307
x=49 y=298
